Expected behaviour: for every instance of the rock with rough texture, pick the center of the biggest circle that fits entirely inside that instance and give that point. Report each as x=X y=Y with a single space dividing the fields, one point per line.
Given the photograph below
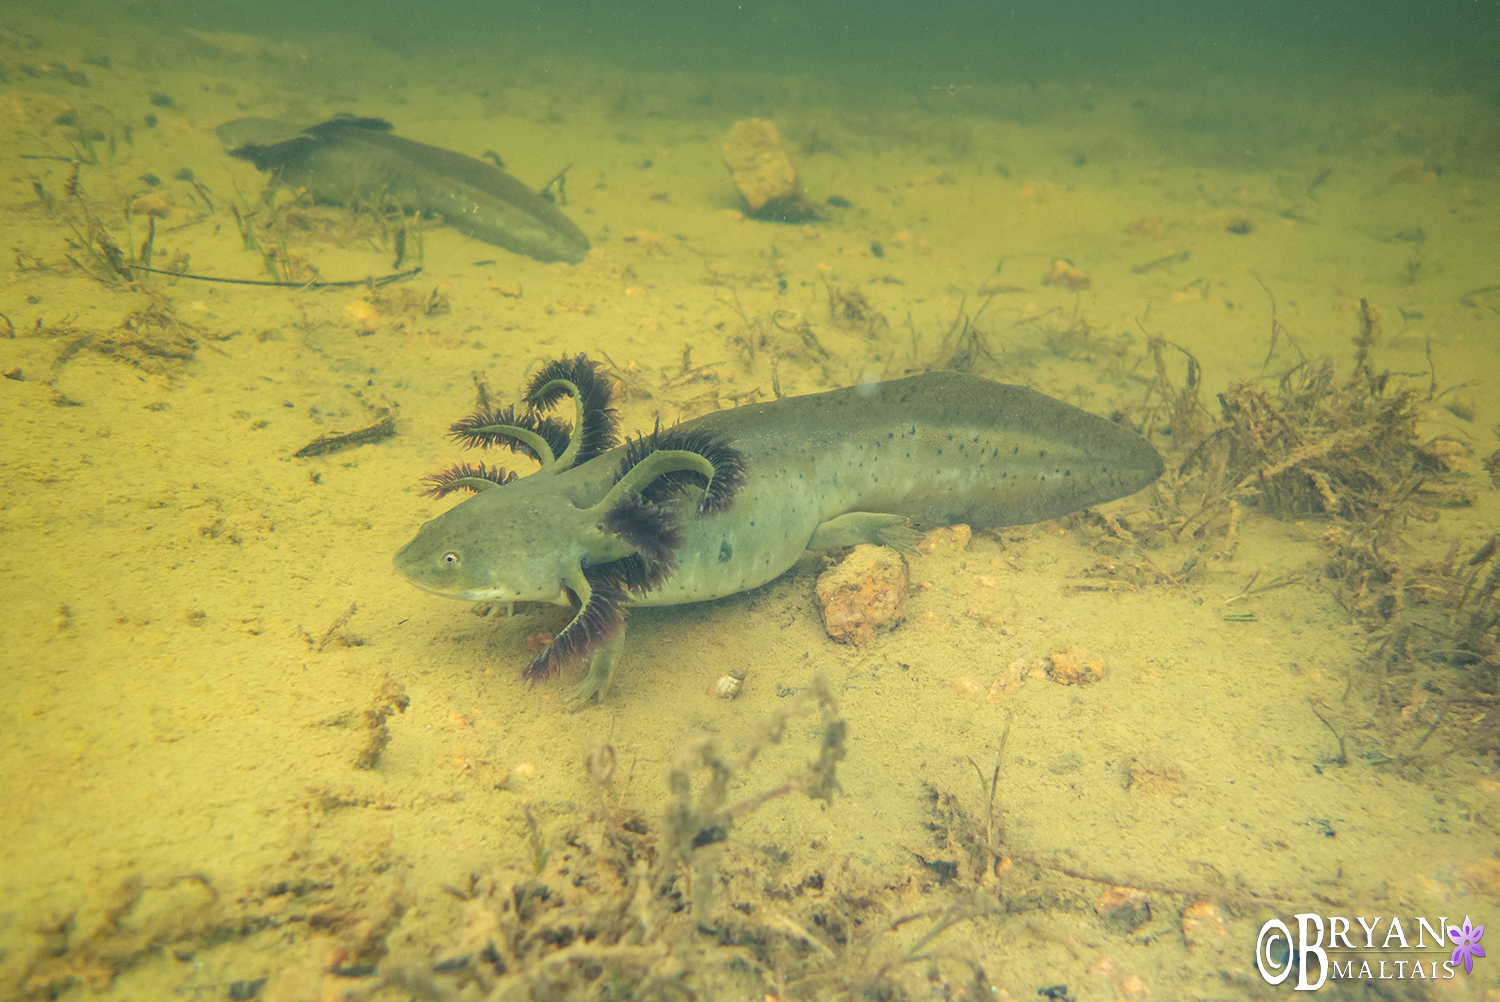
x=764 y=173
x=954 y=537
x=1065 y=275
x=1075 y=666
x=863 y=594
x=1123 y=909
x=1203 y=926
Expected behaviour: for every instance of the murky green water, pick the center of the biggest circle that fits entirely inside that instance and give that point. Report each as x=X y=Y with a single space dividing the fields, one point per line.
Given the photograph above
x=204 y=634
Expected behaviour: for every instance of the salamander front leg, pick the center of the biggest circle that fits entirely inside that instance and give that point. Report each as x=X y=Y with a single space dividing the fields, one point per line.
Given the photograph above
x=596 y=632
x=601 y=672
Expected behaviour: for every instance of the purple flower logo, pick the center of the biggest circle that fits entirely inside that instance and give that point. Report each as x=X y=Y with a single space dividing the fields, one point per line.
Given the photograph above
x=1466 y=944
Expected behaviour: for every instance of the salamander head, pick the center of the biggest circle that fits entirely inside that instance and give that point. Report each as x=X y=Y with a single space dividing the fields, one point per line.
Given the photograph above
x=503 y=546
x=525 y=540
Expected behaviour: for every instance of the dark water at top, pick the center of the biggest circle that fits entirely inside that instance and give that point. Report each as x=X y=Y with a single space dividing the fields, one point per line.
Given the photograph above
x=1449 y=44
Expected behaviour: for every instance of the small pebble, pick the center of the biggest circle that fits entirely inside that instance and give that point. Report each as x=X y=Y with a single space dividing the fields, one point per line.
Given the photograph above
x=728 y=686
x=1065 y=275
x=966 y=685
x=1124 y=909
x=366 y=318
x=1075 y=666
x=953 y=537
x=1203 y=925
x=157 y=204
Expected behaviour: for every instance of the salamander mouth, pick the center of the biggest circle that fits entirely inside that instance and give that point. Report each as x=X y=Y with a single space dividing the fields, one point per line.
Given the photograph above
x=493 y=594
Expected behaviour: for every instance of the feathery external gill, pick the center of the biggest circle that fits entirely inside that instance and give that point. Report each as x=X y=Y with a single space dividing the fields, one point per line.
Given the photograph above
x=596 y=425
x=654 y=532
x=465 y=477
x=600 y=601
x=717 y=492
x=541 y=438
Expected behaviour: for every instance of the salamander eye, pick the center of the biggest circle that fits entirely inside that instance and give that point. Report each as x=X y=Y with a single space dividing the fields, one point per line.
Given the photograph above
x=450 y=558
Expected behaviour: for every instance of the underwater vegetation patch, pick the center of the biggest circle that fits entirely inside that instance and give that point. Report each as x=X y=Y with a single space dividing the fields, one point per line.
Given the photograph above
x=1343 y=445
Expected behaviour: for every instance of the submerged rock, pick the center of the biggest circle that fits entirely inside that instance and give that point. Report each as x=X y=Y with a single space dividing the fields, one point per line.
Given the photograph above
x=864 y=594
x=764 y=173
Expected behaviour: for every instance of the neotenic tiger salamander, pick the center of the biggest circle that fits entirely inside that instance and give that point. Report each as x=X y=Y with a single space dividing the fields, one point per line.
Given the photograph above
x=730 y=500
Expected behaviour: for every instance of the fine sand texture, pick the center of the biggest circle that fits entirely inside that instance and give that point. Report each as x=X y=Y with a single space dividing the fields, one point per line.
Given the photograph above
x=240 y=757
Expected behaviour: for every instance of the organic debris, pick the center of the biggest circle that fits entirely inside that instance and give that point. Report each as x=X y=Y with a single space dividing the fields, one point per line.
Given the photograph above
x=390 y=700
x=152 y=338
x=384 y=428
x=848 y=309
x=613 y=906
x=1433 y=670
x=1346 y=448
x=1322 y=444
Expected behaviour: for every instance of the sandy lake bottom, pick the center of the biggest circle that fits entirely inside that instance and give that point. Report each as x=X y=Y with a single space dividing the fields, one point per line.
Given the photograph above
x=204 y=635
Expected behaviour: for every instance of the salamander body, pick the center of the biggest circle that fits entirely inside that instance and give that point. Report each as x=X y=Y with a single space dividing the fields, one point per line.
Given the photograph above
x=728 y=501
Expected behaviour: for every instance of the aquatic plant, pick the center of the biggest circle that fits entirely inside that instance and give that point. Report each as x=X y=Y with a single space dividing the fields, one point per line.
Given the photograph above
x=1343 y=445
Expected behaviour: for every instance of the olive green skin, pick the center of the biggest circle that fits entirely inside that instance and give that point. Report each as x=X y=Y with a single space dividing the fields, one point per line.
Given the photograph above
x=345 y=161
x=829 y=469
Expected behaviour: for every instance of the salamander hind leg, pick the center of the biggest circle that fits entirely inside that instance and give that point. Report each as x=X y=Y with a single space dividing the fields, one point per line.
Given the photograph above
x=856 y=527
